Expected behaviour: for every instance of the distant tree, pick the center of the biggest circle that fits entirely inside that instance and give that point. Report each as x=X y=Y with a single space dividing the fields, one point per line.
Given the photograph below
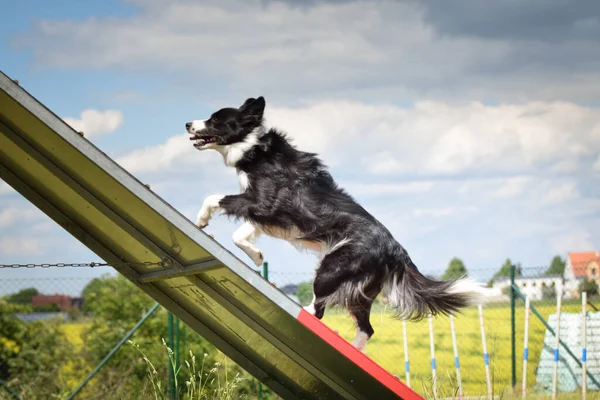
x=504 y=270
x=305 y=293
x=557 y=266
x=589 y=286
x=456 y=269
x=23 y=296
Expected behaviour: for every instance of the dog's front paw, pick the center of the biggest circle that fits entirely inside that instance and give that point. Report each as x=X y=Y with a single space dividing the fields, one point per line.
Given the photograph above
x=257 y=258
x=202 y=219
x=201 y=224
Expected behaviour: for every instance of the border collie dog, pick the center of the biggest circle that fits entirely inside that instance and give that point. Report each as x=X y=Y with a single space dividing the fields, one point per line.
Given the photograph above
x=289 y=194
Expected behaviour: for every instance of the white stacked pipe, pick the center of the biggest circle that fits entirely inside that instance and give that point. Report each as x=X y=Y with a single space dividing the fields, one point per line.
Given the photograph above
x=456 y=360
x=433 y=366
x=486 y=358
x=406 y=363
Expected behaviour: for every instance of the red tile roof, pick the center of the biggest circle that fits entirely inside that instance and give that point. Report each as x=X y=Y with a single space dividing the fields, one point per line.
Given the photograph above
x=579 y=261
x=61 y=300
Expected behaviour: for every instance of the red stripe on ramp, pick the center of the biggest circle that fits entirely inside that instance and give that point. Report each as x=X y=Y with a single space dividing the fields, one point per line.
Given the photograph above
x=358 y=357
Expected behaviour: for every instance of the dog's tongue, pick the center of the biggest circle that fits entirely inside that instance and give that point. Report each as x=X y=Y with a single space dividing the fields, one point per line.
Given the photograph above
x=199 y=142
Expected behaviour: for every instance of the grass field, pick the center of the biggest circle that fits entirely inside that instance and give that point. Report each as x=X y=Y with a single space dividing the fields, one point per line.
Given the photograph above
x=386 y=347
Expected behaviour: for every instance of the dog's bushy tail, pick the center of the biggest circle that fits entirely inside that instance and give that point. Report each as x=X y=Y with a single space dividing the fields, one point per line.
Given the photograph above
x=414 y=296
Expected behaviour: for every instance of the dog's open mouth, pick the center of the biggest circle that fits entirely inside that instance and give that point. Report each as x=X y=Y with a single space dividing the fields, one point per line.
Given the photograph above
x=203 y=140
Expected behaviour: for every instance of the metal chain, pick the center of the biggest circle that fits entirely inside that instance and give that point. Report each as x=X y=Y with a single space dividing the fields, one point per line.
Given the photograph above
x=165 y=262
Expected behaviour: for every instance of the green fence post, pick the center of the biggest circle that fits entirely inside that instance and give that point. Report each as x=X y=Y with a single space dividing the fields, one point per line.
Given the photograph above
x=172 y=347
x=513 y=328
x=265 y=272
x=114 y=350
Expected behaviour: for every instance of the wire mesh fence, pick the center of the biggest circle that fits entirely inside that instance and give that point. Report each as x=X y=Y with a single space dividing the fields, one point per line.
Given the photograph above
x=539 y=284
x=66 y=298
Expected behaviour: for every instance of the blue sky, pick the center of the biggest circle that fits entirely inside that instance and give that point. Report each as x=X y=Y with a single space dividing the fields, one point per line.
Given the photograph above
x=471 y=132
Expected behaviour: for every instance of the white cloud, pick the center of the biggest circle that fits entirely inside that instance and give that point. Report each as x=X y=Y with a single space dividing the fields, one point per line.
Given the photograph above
x=444 y=211
x=96 y=123
x=573 y=240
x=444 y=138
x=15 y=245
x=291 y=49
x=386 y=189
x=513 y=187
x=560 y=193
x=12 y=215
x=175 y=154
x=597 y=164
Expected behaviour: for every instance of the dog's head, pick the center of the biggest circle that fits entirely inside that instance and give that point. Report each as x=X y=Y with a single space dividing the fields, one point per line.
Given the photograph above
x=228 y=125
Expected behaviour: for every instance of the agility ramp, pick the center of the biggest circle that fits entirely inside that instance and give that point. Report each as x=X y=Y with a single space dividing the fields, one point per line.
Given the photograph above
x=174 y=262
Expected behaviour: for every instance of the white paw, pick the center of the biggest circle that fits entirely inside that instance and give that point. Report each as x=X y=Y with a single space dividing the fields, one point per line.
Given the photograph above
x=310 y=309
x=202 y=219
x=202 y=223
x=257 y=258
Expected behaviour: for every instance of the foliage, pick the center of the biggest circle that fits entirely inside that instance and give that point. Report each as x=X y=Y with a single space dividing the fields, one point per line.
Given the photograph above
x=456 y=269
x=201 y=383
x=557 y=266
x=115 y=305
x=590 y=286
x=31 y=353
x=305 y=293
x=504 y=270
x=46 y=308
x=23 y=296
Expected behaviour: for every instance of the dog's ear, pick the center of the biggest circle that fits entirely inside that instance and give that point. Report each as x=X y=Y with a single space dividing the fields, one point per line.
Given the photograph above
x=254 y=107
x=246 y=103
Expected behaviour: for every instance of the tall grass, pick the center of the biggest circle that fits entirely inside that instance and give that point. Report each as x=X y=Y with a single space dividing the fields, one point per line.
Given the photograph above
x=202 y=382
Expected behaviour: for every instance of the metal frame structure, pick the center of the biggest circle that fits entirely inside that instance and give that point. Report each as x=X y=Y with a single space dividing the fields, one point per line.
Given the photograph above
x=175 y=263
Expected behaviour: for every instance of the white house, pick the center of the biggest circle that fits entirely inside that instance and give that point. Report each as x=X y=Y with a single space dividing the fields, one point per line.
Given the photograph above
x=532 y=287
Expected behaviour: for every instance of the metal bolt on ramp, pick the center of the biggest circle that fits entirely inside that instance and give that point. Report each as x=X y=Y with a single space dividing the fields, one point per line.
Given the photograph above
x=203 y=284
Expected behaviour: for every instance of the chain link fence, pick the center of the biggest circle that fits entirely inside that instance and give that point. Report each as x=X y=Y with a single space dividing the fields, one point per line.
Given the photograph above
x=49 y=297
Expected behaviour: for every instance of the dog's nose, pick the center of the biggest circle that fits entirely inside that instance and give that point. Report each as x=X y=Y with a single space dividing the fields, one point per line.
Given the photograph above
x=188 y=125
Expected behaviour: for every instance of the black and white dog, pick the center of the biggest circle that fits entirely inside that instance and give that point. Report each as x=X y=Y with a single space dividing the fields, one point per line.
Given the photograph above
x=289 y=194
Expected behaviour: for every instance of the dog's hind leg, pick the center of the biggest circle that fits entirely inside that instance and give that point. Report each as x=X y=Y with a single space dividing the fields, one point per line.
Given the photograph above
x=360 y=311
x=334 y=270
x=242 y=238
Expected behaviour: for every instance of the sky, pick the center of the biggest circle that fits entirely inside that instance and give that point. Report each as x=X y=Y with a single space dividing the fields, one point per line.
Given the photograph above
x=470 y=129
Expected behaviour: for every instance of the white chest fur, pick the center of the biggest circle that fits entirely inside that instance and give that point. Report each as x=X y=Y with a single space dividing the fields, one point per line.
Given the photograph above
x=243 y=181
x=232 y=153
